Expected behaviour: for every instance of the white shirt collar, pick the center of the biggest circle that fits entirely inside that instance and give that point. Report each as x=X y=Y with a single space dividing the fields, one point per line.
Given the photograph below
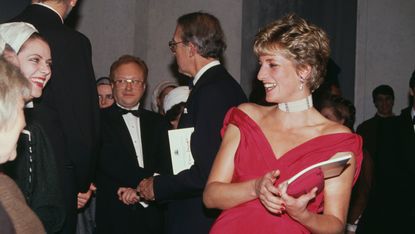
x=412 y=112
x=133 y=108
x=204 y=69
x=29 y=105
x=47 y=6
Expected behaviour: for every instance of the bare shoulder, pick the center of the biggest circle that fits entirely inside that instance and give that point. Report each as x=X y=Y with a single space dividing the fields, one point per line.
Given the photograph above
x=255 y=111
x=331 y=127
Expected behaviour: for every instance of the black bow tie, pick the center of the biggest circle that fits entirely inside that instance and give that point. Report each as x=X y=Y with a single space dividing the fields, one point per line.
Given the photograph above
x=125 y=111
x=413 y=120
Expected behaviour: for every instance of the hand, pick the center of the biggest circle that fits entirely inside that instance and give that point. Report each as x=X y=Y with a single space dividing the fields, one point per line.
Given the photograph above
x=145 y=188
x=268 y=194
x=128 y=195
x=296 y=207
x=83 y=198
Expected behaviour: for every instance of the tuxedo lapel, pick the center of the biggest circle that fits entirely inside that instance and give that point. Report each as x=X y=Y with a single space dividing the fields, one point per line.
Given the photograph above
x=121 y=130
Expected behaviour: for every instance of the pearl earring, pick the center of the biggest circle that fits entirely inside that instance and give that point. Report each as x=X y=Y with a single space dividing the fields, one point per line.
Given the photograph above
x=301 y=84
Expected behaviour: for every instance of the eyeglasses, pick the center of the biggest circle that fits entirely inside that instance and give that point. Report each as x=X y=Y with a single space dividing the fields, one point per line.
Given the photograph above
x=124 y=83
x=173 y=45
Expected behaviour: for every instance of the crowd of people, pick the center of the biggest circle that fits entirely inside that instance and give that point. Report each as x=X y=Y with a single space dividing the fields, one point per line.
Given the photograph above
x=79 y=155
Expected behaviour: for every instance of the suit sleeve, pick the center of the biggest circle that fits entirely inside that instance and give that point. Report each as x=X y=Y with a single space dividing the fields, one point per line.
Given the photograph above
x=213 y=102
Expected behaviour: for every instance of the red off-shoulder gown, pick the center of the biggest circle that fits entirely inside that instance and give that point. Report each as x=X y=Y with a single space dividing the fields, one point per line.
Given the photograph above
x=254 y=157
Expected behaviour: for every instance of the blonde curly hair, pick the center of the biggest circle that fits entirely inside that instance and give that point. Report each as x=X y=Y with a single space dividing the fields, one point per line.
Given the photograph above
x=301 y=42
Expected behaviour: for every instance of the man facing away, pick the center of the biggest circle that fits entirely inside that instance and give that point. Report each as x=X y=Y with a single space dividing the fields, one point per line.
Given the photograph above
x=134 y=146
x=68 y=110
x=197 y=44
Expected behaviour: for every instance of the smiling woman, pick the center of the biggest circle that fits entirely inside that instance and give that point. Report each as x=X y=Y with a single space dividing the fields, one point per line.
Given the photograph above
x=263 y=147
x=33 y=53
x=35 y=63
x=35 y=166
x=14 y=88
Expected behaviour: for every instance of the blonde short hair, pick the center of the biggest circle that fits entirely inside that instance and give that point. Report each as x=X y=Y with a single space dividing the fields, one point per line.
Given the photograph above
x=299 y=41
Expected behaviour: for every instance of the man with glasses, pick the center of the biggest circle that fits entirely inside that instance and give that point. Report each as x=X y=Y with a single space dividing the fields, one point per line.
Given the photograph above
x=134 y=142
x=197 y=44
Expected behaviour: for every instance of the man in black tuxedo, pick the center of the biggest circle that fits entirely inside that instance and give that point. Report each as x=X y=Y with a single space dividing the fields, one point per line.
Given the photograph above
x=197 y=44
x=68 y=110
x=134 y=146
x=407 y=137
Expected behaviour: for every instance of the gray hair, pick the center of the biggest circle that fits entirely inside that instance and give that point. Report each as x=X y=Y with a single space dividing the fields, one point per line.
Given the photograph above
x=13 y=88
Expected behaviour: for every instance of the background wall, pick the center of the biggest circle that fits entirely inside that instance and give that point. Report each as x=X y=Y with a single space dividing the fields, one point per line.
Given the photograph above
x=144 y=27
x=336 y=17
x=385 y=52
x=383 y=47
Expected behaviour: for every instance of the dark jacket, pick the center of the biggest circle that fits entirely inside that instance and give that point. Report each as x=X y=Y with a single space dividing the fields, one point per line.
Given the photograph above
x=35 y=172
x=118 y=167
x=213 y=95
x=68 y=110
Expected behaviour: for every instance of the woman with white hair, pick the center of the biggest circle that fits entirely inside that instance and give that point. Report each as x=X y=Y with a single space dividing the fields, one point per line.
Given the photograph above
x=35 y=169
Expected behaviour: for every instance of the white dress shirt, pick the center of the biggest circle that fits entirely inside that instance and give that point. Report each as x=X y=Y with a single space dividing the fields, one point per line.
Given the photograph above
x=133 y=125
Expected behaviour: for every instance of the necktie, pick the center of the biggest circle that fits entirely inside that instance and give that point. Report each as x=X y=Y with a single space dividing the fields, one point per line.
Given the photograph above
x=413 y=120
x=125 y=111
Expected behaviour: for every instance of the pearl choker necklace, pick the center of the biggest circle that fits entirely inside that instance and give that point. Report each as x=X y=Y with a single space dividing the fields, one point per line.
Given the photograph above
x=297 y=106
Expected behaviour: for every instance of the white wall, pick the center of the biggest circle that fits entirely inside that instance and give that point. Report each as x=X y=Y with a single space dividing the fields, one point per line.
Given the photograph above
x=143 y=28
x=385 y=51
x=385 y=46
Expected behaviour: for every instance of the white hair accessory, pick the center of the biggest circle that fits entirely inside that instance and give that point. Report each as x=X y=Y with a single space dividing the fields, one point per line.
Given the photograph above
x=15 y=34
x=176 y=96
x=2 y=45
x=157 y=91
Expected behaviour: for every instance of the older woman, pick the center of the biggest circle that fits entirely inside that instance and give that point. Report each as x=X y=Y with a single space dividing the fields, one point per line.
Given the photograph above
x=14 y=89
x=263 y=147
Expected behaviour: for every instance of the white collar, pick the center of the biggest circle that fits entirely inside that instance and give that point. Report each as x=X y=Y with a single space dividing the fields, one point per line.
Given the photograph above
x=29 y=105
x=204 y=69
x=47 y=6
x=412 y=112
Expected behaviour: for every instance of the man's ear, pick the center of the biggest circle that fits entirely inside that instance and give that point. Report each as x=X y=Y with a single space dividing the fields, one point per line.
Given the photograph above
x=192 y=49
x=73 y=3
x=412 y=92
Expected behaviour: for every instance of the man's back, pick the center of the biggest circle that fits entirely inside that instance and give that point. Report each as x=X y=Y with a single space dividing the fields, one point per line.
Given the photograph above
x=212 y=96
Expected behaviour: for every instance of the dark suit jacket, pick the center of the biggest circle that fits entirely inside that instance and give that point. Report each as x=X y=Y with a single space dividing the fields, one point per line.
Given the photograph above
x=408 y=139
x=118 y=167
x=214 y=93
x=68 y=110
x=392 y=170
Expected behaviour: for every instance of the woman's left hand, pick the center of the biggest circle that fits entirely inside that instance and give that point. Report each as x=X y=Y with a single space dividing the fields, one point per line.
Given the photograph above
x=296 y=207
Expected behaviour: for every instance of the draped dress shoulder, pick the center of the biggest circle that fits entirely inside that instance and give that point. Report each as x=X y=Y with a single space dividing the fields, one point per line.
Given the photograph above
x=254 y=157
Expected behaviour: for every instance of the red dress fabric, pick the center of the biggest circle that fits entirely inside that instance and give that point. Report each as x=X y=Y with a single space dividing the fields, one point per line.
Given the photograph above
x=254 y=157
